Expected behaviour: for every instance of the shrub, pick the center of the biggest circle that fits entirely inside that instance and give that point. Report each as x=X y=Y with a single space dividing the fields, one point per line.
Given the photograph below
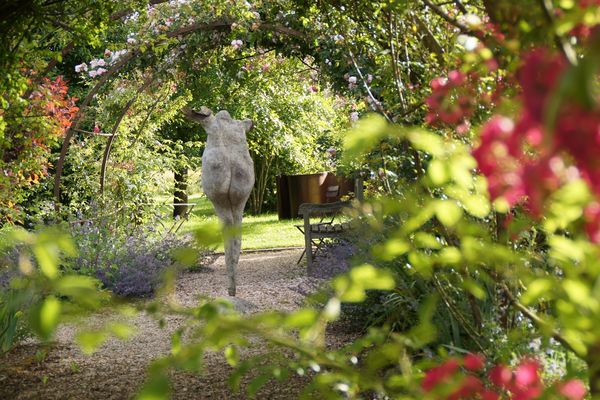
x=129 y=261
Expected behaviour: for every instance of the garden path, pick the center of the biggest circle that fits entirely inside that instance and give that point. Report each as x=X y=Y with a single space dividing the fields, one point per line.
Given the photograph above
x=266 y=281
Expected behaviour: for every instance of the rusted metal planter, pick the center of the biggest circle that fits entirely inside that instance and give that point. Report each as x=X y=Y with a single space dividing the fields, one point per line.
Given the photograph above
x=293 y=190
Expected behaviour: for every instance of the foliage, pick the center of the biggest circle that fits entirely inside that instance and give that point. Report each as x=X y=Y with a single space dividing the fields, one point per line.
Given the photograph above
x=129 y=260
x=39 y=294
x=35 y=109
x=511 y=254
x=295 y=118
x=26 y=143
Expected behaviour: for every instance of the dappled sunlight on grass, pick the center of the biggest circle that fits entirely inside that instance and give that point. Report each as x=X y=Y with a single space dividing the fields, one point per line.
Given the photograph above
x=258 y=232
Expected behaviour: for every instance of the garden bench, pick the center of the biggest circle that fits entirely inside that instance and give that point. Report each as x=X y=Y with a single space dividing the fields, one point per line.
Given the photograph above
x=314 y=234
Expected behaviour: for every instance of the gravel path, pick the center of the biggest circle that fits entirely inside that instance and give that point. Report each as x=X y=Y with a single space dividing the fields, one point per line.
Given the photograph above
x=267 y=281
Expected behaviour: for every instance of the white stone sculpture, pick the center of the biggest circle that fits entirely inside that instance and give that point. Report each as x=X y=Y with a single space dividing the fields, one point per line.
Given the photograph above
x=227 y=176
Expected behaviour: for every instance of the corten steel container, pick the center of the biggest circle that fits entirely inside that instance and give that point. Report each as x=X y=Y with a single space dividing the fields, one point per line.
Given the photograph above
x=307 y=188
x=283 y=198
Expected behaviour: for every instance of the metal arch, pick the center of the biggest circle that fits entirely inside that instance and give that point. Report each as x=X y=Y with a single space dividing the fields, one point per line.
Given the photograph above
x=197 y=27
x=77 y=120
x=111 y=139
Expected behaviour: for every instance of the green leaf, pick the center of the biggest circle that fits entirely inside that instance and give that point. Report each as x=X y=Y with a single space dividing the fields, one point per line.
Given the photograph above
x=81 y=289
x=391 y=249
x=369 y=131
x=156 y=388
x=351 y=287
x=186 y=256
x=257 y=383
x=347 y=290
x=565 y=249
x=537 y=289
x=578 y=292
x=422 y=263
x=231 y=355
x=209 y=234
x=448 y=212
x=449 y=256
x=425 y=240
x=477 y=205
x=89 y=341
x=302 y=318
x=47 y=258
x=373 y=278
x=427 y=142
x=121 y=330
x=475 y=289
x=45 y=317
x=437 y=173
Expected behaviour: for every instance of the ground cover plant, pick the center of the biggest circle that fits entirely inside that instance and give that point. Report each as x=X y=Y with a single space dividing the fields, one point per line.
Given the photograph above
x=475 y=122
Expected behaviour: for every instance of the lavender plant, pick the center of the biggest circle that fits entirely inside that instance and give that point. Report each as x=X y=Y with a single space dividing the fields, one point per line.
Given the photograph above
x=128 y=260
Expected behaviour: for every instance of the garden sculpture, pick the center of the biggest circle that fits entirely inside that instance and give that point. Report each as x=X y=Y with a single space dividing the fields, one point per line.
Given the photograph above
x=227 y=176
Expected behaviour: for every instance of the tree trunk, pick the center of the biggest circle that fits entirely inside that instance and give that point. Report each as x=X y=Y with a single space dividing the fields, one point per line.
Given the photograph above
x=180 y=191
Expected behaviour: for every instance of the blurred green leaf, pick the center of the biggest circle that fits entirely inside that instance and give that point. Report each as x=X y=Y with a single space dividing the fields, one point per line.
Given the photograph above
x=474 y=288
x=391 y=249
x=369 y=131
x=47 y=258
x=541 y=287
x=45 y=317
x=302 y=318
x=437 y=173
x=372 y=278
x=209 y=234
x=256 y=384
x=121 y=330
x=427 y=142
x=89 y=341
x=448 y=212
x=231 y=355
x=156 y=388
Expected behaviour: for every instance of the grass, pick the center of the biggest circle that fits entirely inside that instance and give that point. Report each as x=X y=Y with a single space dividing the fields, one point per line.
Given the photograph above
x=258 y=232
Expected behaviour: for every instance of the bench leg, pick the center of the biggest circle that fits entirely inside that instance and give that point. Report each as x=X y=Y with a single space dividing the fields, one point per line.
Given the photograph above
x=308 y=250
x=301 y=256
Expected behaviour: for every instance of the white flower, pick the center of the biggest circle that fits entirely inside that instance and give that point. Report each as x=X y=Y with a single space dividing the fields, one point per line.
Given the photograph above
x=354 y=116
x=97 y=62
x=101 y=71
x=369 y=78
x=472 y=21
x=237 y=43
x=352 y=79
x=118 y=54
x=81 y=67
x=470 y=43
x=93 y=73
x=338 y=38
x=131 y=40
x=133 y=17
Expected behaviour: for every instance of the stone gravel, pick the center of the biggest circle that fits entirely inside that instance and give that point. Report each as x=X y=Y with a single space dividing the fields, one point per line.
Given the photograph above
x=267 y=281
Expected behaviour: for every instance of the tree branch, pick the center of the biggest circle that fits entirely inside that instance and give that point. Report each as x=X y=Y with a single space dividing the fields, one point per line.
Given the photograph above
x=438 y=10
x=564 y=46
x=539 y=322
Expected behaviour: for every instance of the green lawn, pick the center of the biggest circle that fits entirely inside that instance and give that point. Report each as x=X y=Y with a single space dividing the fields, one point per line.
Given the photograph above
x=258 y=232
